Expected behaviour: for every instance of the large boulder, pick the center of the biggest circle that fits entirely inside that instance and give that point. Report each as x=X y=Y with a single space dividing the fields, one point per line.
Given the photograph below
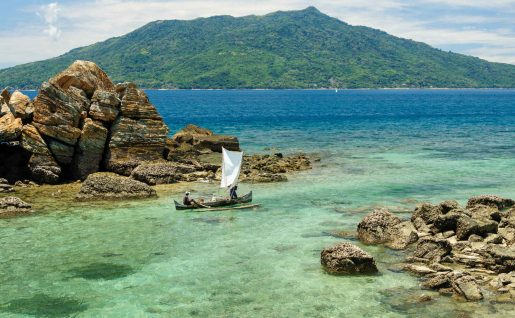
x=376 y=228
x=42 y=165
x=10 y=127
x=106 y=185
x=426 y=212
x=21 y=105
x=12 y=206
x=90 y=149
x=83 y=75
x=161 y=172
x=345 y=258
x=490 y=200
x=201 y=138
x=135 y=103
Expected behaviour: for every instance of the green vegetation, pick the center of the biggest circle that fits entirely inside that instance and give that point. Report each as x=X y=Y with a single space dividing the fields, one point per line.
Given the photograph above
x=295 y=49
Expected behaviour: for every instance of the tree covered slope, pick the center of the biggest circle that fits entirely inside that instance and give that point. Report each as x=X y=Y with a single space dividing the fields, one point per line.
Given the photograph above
x=293 y=49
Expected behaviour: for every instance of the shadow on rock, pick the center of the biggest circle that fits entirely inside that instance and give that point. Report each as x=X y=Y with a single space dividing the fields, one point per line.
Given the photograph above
x=42 y=305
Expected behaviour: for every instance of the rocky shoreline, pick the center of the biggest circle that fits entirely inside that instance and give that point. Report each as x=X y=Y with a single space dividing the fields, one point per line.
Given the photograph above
x=83 y=127
x=464 y=252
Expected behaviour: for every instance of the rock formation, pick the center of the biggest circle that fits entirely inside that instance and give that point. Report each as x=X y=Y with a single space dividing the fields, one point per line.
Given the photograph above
x=345 y=258
x=79 y=123
x=460 y=251
x=108 y=185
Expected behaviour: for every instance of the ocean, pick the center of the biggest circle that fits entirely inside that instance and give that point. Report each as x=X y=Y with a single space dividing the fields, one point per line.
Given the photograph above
x=391 y=148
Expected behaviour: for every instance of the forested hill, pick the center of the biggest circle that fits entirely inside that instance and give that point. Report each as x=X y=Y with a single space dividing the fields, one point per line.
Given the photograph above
x=293 y=49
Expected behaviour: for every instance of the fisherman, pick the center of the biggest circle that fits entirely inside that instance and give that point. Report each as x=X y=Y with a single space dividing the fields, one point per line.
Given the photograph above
x=187 y=200
x=232 y=192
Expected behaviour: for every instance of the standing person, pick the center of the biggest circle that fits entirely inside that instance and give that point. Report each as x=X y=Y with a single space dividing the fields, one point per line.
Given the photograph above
x=233 y=193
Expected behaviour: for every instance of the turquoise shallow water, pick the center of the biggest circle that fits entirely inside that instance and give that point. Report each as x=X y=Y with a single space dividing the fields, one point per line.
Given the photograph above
x=377 y=148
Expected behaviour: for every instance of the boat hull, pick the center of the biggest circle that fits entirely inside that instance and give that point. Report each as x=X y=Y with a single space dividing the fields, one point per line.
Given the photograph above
x=215 y=204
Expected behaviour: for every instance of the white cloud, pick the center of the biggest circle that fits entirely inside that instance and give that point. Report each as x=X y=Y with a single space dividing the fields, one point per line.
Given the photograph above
x=50 y=14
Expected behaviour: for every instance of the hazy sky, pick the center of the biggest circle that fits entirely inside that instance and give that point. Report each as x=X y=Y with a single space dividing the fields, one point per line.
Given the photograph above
x=36 y=29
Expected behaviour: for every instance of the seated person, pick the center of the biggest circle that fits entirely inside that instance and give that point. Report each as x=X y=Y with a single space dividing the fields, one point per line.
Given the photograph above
x=187 y=200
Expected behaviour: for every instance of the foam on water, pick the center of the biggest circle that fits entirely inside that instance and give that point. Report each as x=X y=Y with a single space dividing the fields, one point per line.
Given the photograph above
x=144 y=259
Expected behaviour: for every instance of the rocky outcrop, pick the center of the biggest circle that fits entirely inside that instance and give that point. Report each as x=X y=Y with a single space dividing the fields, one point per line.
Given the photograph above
x=203 y=139
x=163 y=172
x=460 y=251
x=107 y=185
x=13 y=206
x=345 y=258
x=78 y=124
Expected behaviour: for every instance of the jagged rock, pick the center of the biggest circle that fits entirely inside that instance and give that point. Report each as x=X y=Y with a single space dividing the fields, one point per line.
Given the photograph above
x=5 y=187
x=466 y=286
x=508 y=219
x=427 y=212
x=161 y=172
x=90 y=149
x=12 y=206
x=201 y=138
x=504 y=257
x=480 y=211
x=135 y=103
x=345 y=258
x=104 y=106
x=375 y=228
x=57 y=113
x=133 y=142
x=106 y=185
x=21 y=105
x=447 y=222
x=490 y=200
x=448 y=205
x=10 y=127
x=439 y=280
x=402 y=235
x=42 y=165
x=4 y=107
x=84 y=75
x=467 y=226
x=432 y=249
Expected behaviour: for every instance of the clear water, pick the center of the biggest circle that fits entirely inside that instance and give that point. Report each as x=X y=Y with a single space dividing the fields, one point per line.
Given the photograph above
x=378 y=148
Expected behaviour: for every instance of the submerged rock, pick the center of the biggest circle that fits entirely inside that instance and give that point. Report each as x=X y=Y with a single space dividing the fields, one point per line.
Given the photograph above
x=345 y=258
x=12 y=206
x=107 y=185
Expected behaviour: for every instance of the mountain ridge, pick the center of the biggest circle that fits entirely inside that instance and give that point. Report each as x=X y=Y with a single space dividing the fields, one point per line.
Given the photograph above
x=283 y=49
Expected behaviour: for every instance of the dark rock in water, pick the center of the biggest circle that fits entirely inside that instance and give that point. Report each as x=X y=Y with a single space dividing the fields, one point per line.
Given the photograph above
x=106 y=185
x=13 y=206
x=375 y=228
x=432 y=248
x=42 y=305
x=214 y=219
x=104 y=271
x=490 y=200
x=345 y=258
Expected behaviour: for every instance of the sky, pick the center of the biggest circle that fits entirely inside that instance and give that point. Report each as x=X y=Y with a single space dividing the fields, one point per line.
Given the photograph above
x=32 y=30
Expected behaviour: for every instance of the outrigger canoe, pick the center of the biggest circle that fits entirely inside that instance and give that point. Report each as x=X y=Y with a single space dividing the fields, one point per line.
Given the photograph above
x=215 y=204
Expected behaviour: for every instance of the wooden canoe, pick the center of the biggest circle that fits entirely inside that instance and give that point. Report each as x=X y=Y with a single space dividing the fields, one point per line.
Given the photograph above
x=215 y=204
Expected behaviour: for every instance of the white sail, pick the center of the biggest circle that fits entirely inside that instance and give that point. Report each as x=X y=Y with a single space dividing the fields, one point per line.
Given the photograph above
x=231 y=166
